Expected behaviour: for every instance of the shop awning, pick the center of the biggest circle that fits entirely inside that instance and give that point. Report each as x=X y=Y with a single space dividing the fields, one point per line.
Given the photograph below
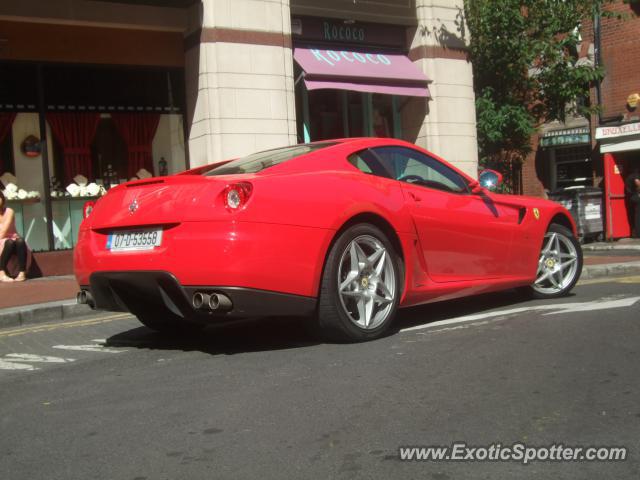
x=391 y=74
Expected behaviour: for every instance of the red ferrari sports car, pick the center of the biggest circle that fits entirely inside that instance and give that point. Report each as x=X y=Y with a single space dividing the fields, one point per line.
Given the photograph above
x=344 y=231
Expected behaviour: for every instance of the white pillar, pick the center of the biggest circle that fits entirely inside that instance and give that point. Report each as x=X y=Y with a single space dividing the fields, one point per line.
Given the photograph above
x=239 y=71
x=449 y=127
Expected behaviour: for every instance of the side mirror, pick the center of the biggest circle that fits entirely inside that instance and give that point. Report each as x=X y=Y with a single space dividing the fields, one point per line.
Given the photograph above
x=490 y=179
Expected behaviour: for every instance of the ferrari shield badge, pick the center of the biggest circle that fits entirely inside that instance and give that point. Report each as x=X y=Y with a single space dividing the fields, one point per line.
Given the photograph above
x=133 y=206
x=536 y=213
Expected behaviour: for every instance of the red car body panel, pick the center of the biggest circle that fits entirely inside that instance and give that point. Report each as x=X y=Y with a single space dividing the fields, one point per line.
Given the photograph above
x=451 y=244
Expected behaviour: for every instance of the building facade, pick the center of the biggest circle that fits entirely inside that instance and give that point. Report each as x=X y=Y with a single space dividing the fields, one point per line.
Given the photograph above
x=125 y=88
x=604 y=150
x=617 y=128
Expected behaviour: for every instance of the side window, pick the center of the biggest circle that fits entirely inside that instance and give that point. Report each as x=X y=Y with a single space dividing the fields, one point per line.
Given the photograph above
x=357 y=161
x=411 y=166
x=367 y=162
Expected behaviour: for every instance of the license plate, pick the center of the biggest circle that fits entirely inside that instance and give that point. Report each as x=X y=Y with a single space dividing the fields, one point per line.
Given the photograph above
x=130 y=240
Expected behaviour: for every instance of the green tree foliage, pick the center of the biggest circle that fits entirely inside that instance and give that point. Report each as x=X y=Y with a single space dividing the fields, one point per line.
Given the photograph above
x=524 y=56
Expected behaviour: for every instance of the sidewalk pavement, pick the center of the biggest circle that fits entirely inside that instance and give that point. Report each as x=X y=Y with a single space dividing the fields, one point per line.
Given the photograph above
x=40 y=300
x=54 y=298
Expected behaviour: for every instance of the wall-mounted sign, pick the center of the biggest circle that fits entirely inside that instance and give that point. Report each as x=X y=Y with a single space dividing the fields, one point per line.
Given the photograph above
x=570 y=136
x=618 y=131
x=315 y=30
x=341 y=32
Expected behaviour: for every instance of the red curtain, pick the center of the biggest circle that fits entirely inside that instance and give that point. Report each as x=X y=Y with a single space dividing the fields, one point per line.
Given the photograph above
x=74 y=132
x=138 y=130
x=6 y=120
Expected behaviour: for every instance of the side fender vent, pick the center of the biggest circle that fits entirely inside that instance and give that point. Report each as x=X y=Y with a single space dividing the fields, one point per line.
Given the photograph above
x=521 y=215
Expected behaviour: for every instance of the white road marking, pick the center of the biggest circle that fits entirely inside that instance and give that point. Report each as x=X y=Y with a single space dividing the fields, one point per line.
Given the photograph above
x=8 y=365
x=28 y=357
x=602 y=304
x=88 y=348
x=597 y=305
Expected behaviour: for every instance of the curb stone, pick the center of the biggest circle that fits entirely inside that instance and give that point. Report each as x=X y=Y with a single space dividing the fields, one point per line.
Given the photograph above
x=602 y=248
x=43 y=312
x=610 y=269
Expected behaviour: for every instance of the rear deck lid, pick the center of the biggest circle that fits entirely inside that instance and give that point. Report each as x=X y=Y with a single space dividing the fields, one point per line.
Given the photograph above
x=158 y=201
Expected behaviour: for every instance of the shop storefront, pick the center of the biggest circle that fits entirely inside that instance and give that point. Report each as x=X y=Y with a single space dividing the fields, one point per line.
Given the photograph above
x=620 y=149
x=68 y=133
x=569 y=176
x=99 y=92
x=352 y=79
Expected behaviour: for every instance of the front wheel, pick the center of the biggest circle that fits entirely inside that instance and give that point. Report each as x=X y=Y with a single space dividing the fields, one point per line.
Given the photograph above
x=361 y=286
x=559 y=264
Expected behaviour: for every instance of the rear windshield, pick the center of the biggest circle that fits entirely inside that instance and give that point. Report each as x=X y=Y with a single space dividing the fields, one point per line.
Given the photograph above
x=262 y=160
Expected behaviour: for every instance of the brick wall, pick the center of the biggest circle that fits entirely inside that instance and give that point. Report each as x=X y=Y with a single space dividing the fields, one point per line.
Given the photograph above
x=620 y=55
x=531 y=171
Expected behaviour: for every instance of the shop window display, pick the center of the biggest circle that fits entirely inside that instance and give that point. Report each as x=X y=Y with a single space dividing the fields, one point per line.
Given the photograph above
x=382 y=116
x=103 y=126
x=120 y=150
x=340 y=113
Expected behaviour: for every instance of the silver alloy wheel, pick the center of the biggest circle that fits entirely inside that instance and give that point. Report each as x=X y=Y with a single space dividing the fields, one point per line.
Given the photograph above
x=557 y=265
x=366 y=282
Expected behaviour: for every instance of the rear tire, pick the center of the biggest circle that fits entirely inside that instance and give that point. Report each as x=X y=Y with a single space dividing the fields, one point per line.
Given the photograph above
x=361 y=286
x=559 y=264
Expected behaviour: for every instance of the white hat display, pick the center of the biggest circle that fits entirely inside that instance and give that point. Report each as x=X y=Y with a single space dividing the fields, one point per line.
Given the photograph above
x=13 y=192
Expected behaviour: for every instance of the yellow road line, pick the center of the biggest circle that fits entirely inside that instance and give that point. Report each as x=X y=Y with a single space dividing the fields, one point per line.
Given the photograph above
x=631 y=279
x=56 y=326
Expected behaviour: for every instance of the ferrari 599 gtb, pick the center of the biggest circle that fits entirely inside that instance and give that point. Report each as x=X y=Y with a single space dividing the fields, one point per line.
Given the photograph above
x=345 y=231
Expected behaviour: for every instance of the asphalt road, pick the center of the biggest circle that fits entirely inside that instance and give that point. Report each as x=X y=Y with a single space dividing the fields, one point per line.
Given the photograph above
x=108 y=399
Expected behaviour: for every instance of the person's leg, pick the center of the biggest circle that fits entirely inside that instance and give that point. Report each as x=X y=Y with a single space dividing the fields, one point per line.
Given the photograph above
x=7 y=251
x=634 y=202
x=21 y=253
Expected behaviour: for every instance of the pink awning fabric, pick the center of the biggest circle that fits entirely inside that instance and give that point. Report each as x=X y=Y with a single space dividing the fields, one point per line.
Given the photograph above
x=390 y=74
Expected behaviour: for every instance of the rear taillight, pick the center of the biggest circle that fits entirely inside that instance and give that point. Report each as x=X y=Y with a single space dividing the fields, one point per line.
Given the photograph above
x=236 y=195
x=87 y=209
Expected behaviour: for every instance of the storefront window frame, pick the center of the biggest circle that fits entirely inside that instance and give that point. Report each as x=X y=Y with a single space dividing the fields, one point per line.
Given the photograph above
x=41 y=109
x=367 y=114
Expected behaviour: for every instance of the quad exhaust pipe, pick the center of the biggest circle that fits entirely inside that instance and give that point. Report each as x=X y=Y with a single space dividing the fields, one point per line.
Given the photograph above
x=211 y=302
x=84 y=297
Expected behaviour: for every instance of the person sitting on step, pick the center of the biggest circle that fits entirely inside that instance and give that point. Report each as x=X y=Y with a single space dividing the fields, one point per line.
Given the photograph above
x=10 y=244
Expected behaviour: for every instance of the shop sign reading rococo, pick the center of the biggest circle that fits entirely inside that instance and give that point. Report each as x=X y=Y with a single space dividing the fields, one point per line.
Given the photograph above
x=342 y=32
x=348 y=32
x=331 y=57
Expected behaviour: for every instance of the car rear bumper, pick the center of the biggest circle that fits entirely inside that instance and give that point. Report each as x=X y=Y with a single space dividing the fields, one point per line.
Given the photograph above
x=144 y=291
x=254 y=256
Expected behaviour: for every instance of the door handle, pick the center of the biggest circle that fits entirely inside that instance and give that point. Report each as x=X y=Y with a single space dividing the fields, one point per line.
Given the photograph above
x=415 y=197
